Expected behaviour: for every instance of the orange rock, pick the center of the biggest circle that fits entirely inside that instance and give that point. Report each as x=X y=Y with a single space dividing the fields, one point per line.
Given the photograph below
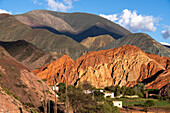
x=126 y=65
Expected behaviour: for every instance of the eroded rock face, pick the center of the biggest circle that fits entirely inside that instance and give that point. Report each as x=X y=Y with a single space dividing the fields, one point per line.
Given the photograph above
x=19 y=83
x=56 y=70
x=126 y=65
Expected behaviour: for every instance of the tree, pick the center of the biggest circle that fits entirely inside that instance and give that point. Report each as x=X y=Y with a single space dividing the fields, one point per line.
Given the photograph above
x=149 y=103
x=86 y=85
x=123 y=89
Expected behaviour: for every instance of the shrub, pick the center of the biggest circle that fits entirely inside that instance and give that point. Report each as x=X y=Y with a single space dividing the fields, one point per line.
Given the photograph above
x=13 y=68
x=149 y=103
x=0 y=75
x=16 y=97
x=39 y=81
x=44 y=80
x=140 y=94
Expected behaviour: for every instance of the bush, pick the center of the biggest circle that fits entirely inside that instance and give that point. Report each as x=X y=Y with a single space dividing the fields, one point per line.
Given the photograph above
x=140 y=94
x=39 y=81
x=149 y=103
x=0 y=75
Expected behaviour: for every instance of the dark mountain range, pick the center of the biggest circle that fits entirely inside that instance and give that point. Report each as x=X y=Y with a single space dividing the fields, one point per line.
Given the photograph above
x=75 y=25
x=28 y=54
x=167 y=46
x=142 y=41
x=13 y=30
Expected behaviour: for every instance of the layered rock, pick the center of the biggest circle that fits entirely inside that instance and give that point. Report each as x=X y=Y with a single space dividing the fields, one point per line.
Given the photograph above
x=93 y=43
x=57 y=71
x=126 y=65
x=19 y=83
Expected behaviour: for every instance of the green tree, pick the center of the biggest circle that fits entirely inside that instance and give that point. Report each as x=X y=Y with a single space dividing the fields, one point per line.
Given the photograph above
x=149 y=103
x=123 y=89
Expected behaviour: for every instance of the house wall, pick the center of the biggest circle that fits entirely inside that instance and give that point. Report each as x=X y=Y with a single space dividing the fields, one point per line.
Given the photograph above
x=117 y=103
x=109 y=94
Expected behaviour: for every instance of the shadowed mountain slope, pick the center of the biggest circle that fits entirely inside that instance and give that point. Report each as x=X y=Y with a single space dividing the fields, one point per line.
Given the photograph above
x=28 y=54
x=126 y=65
x=13 y=30
x=75 y=25
x=142 y=41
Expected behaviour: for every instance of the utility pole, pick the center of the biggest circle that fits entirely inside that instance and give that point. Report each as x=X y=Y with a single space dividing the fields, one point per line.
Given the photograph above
x=48 y=106
x=167 y=86
x=67 y=101
x=55 y=105
x=44 y=101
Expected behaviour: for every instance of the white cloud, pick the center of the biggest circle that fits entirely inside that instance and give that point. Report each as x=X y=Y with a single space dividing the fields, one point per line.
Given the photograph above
x=110 y=17
x=4 y=11
x=164 y=43
x=134 y=22
x=36 y=2
x=60 y=5
x=166 y=33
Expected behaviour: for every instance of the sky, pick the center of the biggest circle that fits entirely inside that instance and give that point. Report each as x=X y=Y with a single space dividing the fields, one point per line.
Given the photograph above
x=146 y=16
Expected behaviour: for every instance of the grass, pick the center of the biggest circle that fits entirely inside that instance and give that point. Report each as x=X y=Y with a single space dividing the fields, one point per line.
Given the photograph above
x=9 y=93
x=140 y=102
x=162 y=104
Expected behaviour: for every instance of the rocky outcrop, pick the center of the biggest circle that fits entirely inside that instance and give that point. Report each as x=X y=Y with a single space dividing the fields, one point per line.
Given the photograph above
x=57 y=71
x=19 y=83
x=126 y=65
x=93 y=43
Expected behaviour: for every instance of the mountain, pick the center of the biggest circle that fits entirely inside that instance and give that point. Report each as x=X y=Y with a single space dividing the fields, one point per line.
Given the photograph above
x=13 y=30
x=167 y=46
x=28 y=54
x=58 y=68
x=142 y=41
x=22 y=85
x=75 y=25
x=93 y=43
x=126 y=65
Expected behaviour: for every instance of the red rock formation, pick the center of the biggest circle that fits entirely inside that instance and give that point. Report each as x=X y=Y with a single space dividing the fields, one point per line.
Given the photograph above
x=19 y=83
x=57 y=69
x=126 y=65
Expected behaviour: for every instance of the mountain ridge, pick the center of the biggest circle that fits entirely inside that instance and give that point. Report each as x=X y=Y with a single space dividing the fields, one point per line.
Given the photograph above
x=126 y=65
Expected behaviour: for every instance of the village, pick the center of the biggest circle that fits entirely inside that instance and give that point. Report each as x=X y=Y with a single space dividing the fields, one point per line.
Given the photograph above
x=122 y=98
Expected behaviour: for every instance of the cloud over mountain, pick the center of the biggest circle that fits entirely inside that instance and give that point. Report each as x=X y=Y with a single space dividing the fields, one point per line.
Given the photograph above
x=166 y=33
x=4 y=11
x=133 y=21
x=165 y=43
x=60 y=5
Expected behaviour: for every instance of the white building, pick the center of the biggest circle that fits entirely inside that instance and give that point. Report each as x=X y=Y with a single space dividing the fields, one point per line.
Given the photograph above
x=88 y=91
x=55 y=88
x=117 y=103
x=106 y=94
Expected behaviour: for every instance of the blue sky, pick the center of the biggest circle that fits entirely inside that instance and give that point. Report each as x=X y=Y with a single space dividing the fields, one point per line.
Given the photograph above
x=148 y=16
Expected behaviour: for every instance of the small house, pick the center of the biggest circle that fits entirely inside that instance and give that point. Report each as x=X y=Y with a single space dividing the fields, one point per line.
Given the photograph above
x=117 y=103
x=88 y=91
x=109 y=94
x=55 y=88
